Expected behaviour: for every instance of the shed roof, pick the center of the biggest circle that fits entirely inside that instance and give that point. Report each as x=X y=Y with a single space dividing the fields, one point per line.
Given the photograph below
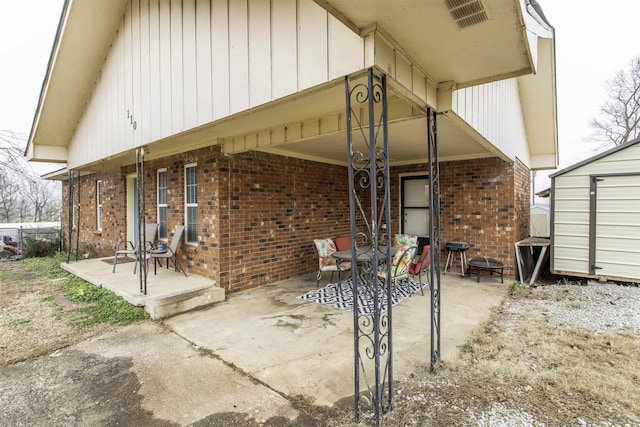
x=596 y=157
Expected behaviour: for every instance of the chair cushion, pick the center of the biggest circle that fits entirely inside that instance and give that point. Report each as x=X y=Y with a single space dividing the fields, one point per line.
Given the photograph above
x=342 y=243
x=325 y=248
x=404 y=241
x=422 y=262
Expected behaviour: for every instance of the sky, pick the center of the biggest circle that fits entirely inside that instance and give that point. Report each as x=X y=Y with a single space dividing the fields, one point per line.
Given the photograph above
x=593 y=42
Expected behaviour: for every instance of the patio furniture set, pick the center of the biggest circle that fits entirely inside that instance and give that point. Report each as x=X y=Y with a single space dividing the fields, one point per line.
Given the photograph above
x=156 y=251
x=336 y=255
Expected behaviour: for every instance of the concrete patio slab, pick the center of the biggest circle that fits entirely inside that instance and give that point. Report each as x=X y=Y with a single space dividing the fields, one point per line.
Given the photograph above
x=306 y=349
x=168 y=292
x=258 y=349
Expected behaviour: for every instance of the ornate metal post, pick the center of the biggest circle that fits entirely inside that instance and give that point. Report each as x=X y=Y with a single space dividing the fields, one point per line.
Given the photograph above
x=142 y=238
x=78 y=217
x=369 y=209
x=434 y=229
x=70 y=208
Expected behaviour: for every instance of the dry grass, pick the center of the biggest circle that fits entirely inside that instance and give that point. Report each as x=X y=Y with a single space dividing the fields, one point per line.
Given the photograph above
x=525 y=364
x=30 y=323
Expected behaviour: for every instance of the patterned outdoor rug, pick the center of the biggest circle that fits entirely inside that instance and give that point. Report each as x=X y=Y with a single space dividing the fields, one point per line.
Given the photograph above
x=341 y=297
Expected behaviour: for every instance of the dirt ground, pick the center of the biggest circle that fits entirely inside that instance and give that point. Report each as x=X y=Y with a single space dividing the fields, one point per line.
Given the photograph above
x=520 y=368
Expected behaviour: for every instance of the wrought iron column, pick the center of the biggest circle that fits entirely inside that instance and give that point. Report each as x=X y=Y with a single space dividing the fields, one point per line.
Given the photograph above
x=369 y=209
x=141 y=219
x=70 y=216
x=78 y=218
x=434 y=229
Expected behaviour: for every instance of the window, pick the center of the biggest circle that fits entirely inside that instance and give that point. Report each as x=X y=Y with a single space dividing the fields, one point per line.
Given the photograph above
x=162 y=204
x=99 y=203
x=191 y=204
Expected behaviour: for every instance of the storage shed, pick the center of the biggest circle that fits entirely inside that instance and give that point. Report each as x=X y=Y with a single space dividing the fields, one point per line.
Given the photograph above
x=595 y=216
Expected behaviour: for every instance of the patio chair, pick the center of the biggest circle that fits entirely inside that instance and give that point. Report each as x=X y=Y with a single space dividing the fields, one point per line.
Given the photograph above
x=130 y=249
x=400 y=265
x=170 y=253
x=323 y=248
x=420 y=264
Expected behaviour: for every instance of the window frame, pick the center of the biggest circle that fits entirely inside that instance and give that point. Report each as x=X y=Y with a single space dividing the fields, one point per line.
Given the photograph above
x=99 y=210
x=188 y=204
x=161 y=206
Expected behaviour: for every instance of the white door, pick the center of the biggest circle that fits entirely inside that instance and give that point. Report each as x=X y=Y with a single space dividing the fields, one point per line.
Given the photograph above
x=415 y=205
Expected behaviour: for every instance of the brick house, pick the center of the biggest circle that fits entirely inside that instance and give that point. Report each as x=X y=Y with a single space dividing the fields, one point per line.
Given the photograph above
x=240 y=105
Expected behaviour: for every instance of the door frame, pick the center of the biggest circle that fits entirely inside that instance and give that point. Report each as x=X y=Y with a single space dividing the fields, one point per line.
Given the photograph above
x=402 y=177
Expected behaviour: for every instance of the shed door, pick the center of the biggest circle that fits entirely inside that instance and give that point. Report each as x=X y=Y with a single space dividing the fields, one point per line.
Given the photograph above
x=617 y=226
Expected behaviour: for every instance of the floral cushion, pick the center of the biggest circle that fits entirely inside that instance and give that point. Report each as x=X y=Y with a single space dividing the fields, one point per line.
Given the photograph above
x=325 y=248
x=404 y=241
x=402 y=259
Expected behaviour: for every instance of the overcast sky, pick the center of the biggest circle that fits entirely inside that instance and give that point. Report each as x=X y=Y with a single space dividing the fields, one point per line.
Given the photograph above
x=594 y=39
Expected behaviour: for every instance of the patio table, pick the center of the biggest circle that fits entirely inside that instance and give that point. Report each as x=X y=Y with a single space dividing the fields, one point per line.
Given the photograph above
x=363 y=255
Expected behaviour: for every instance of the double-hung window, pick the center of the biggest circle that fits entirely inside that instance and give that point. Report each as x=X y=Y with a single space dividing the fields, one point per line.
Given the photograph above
x=191 y=204
x=99 y=204
x=162 y=204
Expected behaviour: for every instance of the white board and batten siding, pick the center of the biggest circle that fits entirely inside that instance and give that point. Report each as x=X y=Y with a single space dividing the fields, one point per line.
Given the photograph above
x=596 y=217
x=494 y=110
x=176 y=65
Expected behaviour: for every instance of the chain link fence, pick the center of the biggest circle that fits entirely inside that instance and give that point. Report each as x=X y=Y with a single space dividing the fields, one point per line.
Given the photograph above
x=22 y=240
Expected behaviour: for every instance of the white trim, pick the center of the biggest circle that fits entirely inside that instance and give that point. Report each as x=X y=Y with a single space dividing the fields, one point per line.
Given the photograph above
x=189 y=205
x=162 y=205
x=400 y=178
x=99 y=204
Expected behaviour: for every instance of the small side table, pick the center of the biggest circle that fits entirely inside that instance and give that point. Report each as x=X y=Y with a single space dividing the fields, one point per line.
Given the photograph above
x=487 y=264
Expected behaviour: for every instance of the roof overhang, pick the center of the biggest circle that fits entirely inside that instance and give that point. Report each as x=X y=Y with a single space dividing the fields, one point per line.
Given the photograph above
x=489 y=50
x=507 y=44
x=84 y=34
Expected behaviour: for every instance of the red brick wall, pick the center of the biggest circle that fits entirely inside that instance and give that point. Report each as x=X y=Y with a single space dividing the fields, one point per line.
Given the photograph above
x=114 y=223
x=522 y=188
x=272 y=208
x=259 y=213
x=484 y=202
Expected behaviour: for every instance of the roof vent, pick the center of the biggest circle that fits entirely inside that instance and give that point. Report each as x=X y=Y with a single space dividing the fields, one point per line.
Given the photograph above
x=466 y=12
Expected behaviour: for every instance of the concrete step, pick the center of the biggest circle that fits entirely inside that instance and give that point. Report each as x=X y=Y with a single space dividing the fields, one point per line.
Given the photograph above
x=161 y=307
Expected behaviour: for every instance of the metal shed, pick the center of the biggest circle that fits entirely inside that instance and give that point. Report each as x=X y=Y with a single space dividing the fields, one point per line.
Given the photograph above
x=595 y=216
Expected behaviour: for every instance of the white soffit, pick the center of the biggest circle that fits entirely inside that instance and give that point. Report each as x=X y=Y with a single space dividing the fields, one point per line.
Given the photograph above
x=490 y=49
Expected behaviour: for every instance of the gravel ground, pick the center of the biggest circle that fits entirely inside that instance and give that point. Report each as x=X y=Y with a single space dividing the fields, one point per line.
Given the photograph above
x=594 y=307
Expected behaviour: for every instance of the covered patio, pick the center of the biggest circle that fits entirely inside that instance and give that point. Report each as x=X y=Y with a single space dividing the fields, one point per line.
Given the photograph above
x=314 y=352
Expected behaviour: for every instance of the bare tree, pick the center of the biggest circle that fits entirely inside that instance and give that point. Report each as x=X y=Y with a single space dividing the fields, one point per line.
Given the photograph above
x=9 y=194
x=620 y=114
x=24 y=196
x=11 y=158
x=44 y=200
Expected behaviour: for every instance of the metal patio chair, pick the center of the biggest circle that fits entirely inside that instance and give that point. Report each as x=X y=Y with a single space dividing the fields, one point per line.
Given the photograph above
x=170 y=253
x=323 y=249
x=420 y=264
x=130 y=249
x=399 y=266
